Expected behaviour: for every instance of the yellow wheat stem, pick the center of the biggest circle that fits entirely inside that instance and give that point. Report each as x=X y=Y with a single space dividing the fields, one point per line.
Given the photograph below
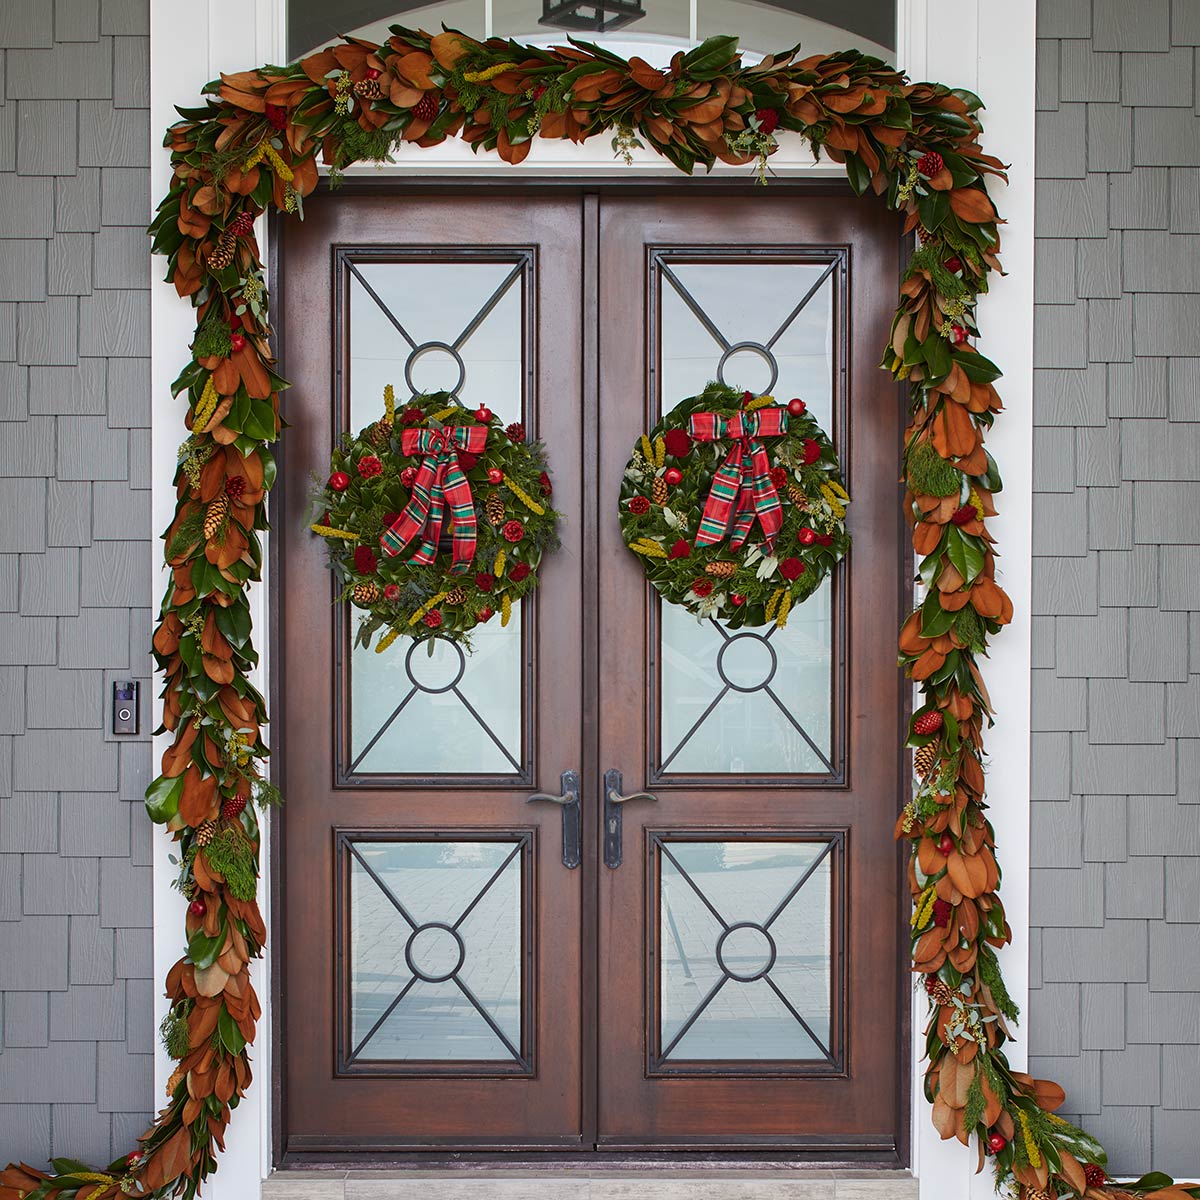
x=209 y=399
x=976 y=503
x=389 y=403
x=785 y=607
x=923 y=907
x=838 y=490
x=1031 y=1146
x=432 y=602
x=647 y=450
x=489 y=73
x=329 y=532
x=498 y=565
x=505 y=610
x=831 y=498
x=442 y=413
x=761 y=402
x=256 y=156
x=281 y=168
x=387 y=639
x=648 y=547
x=773 y=603
x=660 y=452
x=524 y=497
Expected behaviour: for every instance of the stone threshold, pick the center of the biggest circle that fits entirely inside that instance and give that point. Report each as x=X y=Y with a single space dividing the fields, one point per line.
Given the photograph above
x=588 y=1184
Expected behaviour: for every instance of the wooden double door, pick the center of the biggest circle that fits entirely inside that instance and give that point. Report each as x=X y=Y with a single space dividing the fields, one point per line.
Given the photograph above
x=615 y=879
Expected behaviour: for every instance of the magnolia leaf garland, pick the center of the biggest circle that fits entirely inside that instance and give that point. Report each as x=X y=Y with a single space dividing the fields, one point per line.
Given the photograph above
x=735 y=506
x=412 y=583
x=254 y=145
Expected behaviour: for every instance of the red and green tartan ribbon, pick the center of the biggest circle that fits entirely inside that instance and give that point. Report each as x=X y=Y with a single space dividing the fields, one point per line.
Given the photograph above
x=440 y=482
x=741 y=490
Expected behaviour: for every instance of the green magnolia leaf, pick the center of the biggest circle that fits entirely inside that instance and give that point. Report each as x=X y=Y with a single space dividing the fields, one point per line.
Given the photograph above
x=162 y=798
x=204 y=950
x=229 y=1033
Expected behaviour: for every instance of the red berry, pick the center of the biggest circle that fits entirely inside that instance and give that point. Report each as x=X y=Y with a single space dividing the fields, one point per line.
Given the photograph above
x=996 y=1142
x=197 y=908
x=547 y=488
x=433 y=618
x=673 y=475
x=237 y=342
x=797 y=407
x=485 y=614
x=373 y=72
x=483 y=414
x=953 y=264
x=339 y=481
x=958 y=334
x=134 y=1159
x=1094 y=1175
x=825 y=539
x=737 y=599
x=961 y=516
x=391 y=592
x=806 y=536
x=945 y=844
x=930 y=163
x=232 y=808
x=495 y=475
x=928 y=722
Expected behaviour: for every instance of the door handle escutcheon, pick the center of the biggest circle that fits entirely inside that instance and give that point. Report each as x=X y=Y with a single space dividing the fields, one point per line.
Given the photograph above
x=613 y=802
x=571 y=825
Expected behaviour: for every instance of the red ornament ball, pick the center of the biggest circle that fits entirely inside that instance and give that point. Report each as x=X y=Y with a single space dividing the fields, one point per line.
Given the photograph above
x=779 y=477
x=791 y=568
x=702 y=586
x=964 y=515
x=369 y=466
x=1093 y=1174
x=515 y=431
x=197 y=907
x=945 y=845
x=426 y=108
x=677 y=442
x=233 y=807
x=365 y=561
x=737 y=599
x=483 y=414
x=433 y=618
x=797 y=407
x=495 y=475
x=391 y=592
x=547 y=488
x=996 y=1142
x=673 y=476
x=519 y=571
x=812 y=451
x=638 y=505
x=237 y=342
x=930 y=163
x=806 y=536
x=928 y=722
x=958 y=334
x=485 y=614
x=484 y=581
x=134 y=1159
x=681 y=549
x=276 y=116
x=768 y=120
x=339 y=481
x=513 y=531
x=373 y=72
x=242 y=225
x=408 y=476
x=941 y=913
x=953 y=264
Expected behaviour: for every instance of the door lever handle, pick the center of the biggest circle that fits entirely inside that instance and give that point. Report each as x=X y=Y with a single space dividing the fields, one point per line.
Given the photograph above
x=571 y=825
x=613 y=802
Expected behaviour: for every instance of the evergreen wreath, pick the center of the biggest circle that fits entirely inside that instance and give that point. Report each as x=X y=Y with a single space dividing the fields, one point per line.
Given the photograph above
x=435 y=519
x=735 y=506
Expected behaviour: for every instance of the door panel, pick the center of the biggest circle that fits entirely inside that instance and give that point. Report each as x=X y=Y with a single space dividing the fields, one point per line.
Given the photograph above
x=432 y=949
x=768 y=877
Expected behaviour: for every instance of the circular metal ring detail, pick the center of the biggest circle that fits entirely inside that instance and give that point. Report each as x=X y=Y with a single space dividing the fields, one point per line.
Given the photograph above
x=737 y=687
x=756 y=348
x=427 y=348
x=751 y=977
x=462 y=952
x=437 y=691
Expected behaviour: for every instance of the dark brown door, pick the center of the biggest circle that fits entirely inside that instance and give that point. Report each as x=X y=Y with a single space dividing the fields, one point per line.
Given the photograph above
x=721 y=968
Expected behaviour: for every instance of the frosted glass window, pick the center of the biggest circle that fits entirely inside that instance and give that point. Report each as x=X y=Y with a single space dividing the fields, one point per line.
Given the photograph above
x=435 y=951
x=745 y=944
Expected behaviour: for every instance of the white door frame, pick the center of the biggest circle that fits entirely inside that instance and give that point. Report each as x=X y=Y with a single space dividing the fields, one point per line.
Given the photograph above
x=982 y=46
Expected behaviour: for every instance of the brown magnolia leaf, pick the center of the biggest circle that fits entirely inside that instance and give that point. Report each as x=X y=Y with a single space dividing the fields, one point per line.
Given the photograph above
x=972 y=204
x=210 y=981
x=968 y=873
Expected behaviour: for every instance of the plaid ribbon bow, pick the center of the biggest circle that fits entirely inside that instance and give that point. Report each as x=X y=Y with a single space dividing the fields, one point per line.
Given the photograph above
x=741 y=489
x=440 y=481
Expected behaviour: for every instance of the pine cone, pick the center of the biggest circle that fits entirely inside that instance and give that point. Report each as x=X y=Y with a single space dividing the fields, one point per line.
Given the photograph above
x=380 y=432
x=797 y=497
x=176 y=1079
x=222 y=253
x=660 y=490
x=721 y=570
x=364 y=594
x=214 y=516
x=456 y=595
x=1036 y=1193
x=426 y=108
x=925 y=759
x=242 y=225
x=206 y=833
x=493 y=508
x=368 y=89
x=233 y=806
x=939 y=993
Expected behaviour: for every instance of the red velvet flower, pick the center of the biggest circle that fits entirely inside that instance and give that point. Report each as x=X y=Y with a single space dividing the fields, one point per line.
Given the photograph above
x=365 y=561
x=681 y=549
x=768 y=120
x=369 y=466
x=276 y=116
x=678 y=442
x=412 y=415
x=485 y=582
x=467 y=460
x=702 y=587
x=518 y=572
x=941 y=913
x=391 y=592
x=824 y=539
x=960 y=516
x=433 y=618
x=408 y=476
x=515 y=431
x=545 y=484
x=779 y=477
x=930 y=163
x=389 y=519
x=791 y=568
x=639 y=505
x=812 y=451
x=513 y=531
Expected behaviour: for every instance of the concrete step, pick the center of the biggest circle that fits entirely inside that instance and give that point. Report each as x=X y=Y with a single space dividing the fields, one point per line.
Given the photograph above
x=639 y=1184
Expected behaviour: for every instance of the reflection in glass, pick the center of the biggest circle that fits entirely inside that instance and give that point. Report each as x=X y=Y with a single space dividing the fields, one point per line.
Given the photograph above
x=456 y=712
x=747 y=701
x=435 y=951
x=745 y=950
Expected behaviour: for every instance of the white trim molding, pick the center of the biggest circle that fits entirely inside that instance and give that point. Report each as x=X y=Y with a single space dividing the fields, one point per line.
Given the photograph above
x=982 y=46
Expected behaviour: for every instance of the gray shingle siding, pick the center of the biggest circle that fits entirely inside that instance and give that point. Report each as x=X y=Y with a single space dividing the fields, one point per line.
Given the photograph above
x=1115 y=1014
x=76 y=993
